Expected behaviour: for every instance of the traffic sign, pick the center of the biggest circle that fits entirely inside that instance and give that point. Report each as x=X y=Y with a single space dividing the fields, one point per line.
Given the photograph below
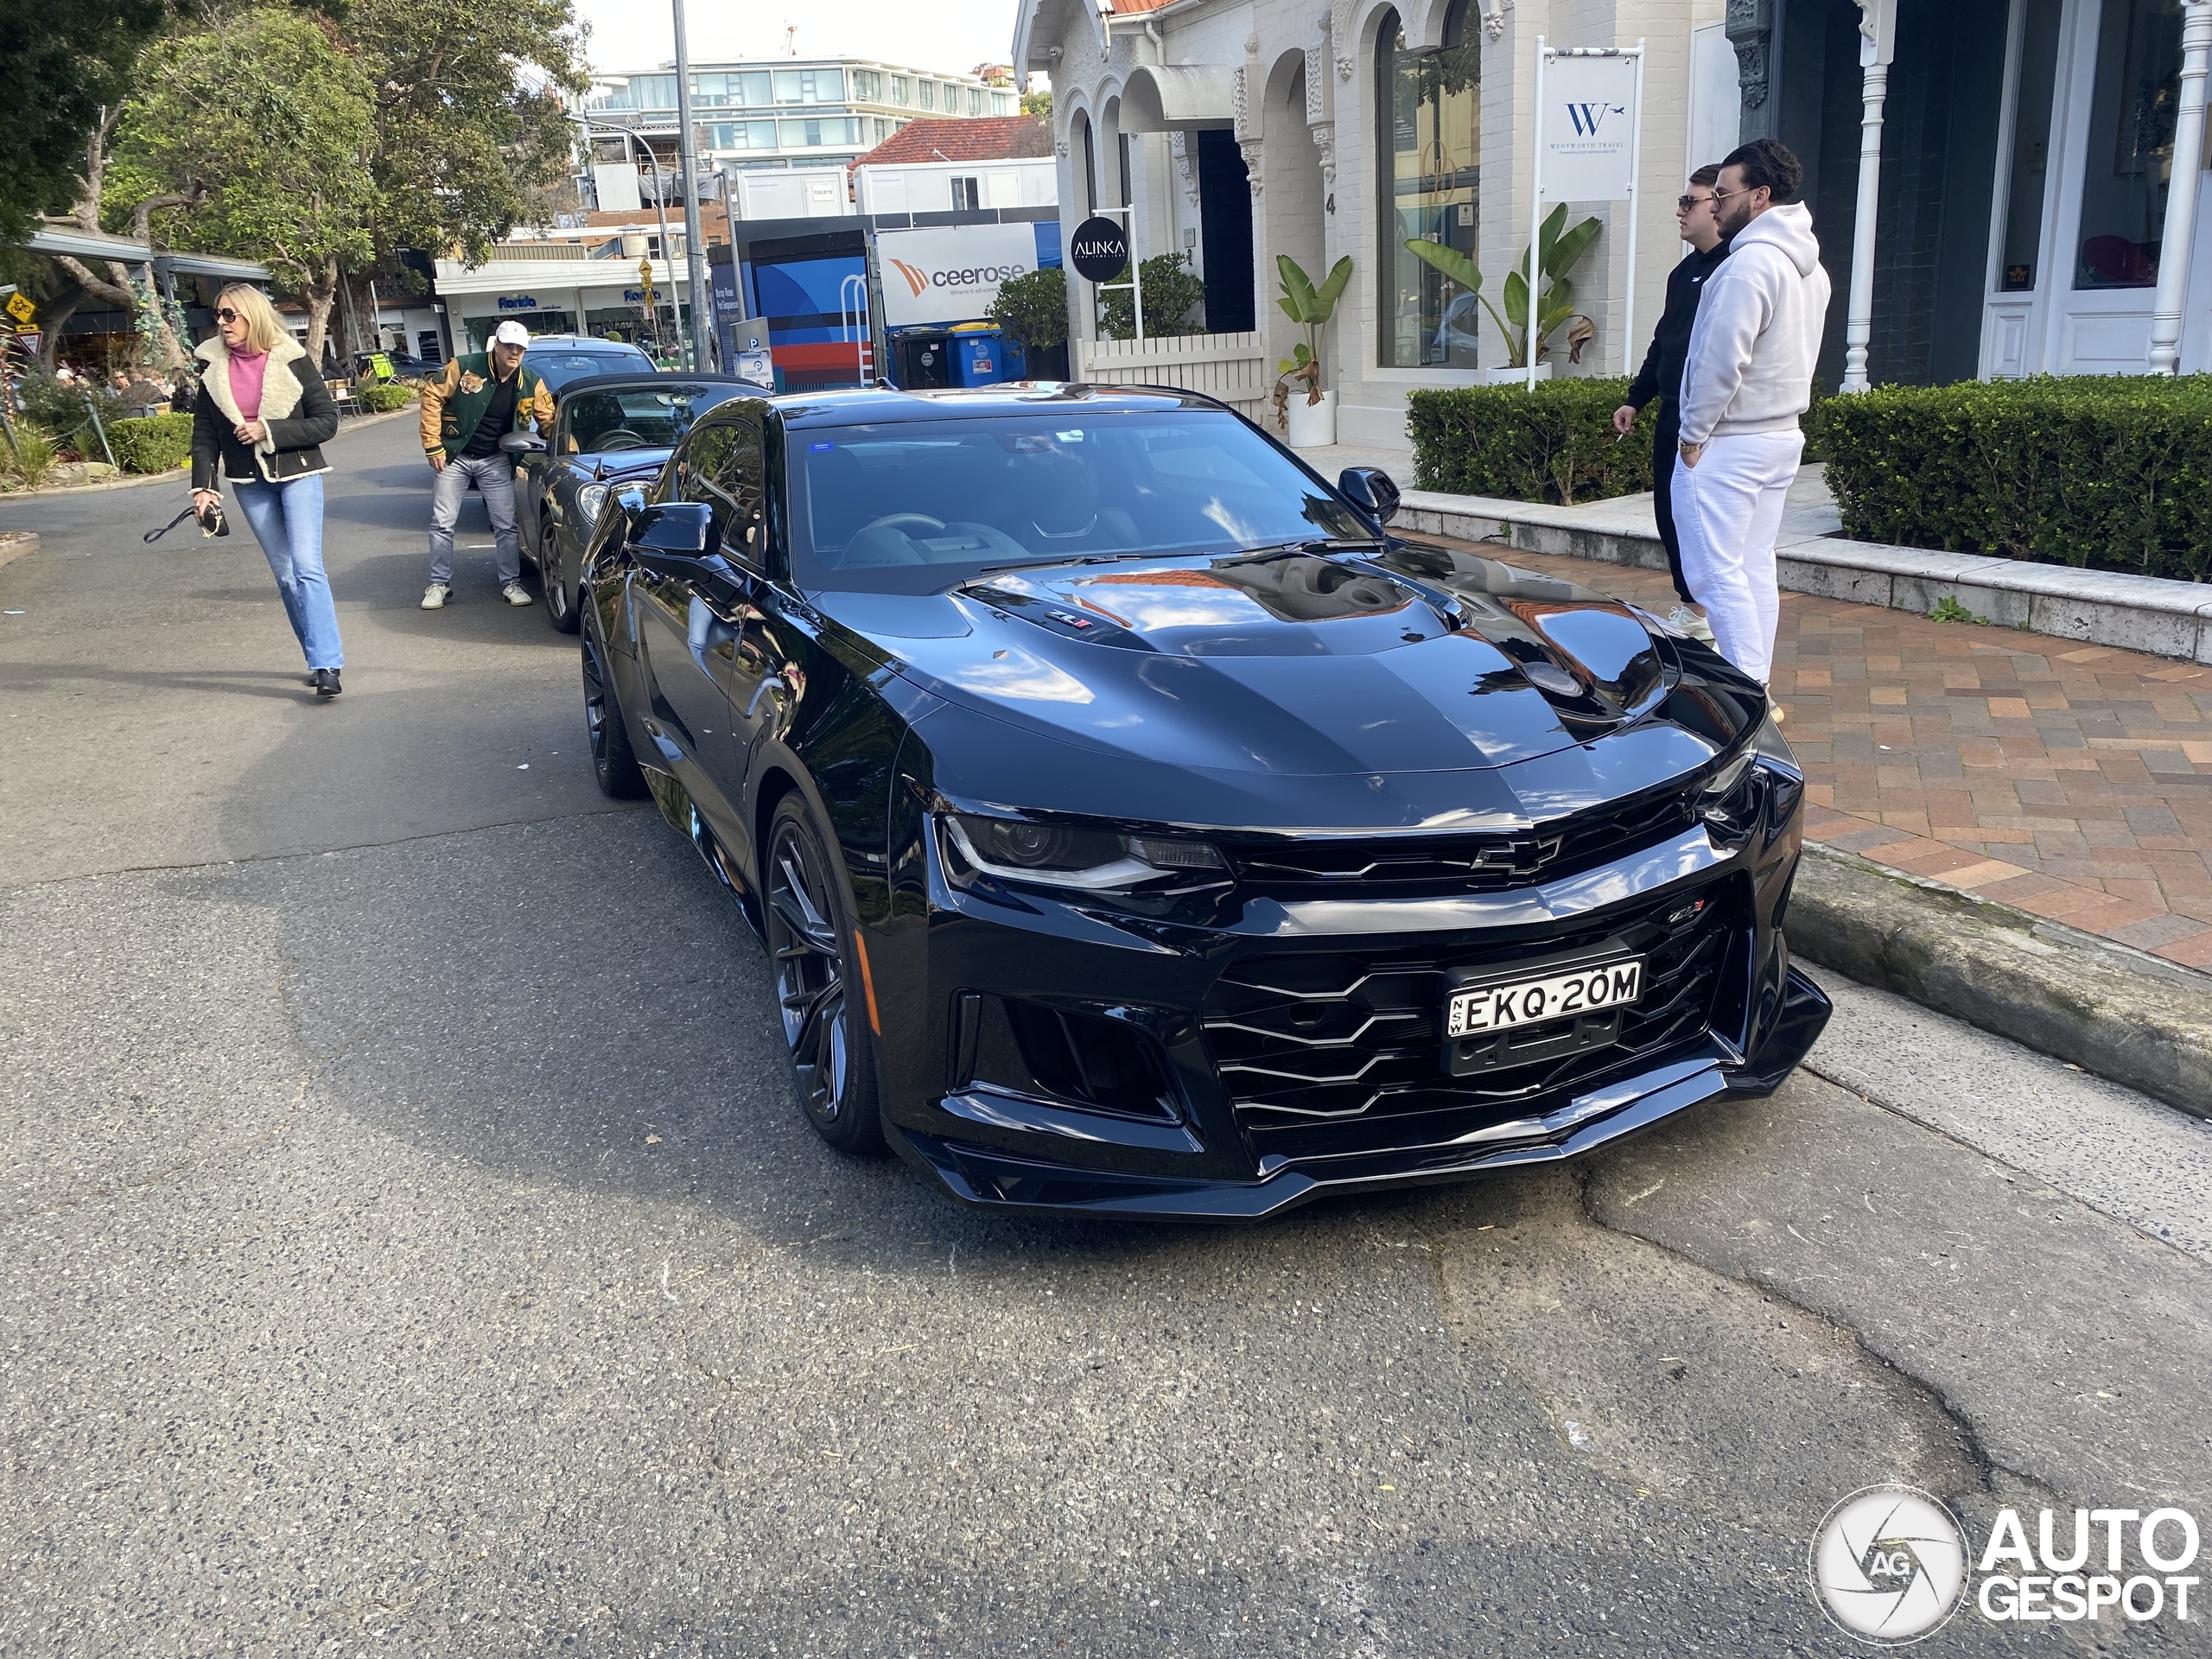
x=21 y=309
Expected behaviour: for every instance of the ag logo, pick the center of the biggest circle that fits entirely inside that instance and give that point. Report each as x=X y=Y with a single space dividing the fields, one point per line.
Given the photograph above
x=1889 y=1564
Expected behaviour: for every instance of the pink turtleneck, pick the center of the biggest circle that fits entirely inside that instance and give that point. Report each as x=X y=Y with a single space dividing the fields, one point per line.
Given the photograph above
x=247 y=369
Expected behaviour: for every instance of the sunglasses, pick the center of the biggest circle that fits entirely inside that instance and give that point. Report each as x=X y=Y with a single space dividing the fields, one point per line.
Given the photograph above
x=227 y=316
x=1683 y=204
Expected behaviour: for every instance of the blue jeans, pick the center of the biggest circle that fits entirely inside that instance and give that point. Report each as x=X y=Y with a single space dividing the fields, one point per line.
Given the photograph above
x=287 y=520
x=494 y=479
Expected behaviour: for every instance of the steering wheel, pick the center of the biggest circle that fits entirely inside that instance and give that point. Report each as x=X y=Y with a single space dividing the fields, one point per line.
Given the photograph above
x=899 y=521
x=631 y=440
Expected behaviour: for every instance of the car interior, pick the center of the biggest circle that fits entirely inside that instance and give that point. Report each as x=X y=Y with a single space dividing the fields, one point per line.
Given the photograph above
x=607 y=422
x=986 y=492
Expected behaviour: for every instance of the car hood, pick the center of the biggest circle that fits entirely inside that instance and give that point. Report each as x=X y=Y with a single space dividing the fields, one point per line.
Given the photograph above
x=1414 y=659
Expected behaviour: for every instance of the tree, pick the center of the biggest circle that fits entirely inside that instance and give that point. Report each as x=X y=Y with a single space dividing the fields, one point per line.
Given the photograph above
x=469 y=120
x=251 y=137
x=61 y=63
x=1038 y=103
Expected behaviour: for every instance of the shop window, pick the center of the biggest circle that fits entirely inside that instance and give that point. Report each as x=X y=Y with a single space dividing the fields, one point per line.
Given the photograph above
x=2130 y=164
x=1428 y=116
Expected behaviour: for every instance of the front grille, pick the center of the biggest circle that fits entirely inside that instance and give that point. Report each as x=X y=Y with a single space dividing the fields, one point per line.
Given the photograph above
x=1460 y=863
x=1330 y=1052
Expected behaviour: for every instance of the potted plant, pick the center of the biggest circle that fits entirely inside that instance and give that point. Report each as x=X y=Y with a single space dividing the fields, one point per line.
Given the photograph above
x=1558 y=252
x=1310 y=423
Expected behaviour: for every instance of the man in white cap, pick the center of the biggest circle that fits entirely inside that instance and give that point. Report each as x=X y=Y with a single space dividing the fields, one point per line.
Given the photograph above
x=466 y=411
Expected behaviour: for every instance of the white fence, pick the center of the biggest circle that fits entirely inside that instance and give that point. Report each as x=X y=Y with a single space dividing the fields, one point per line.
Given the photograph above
x=1231 y=368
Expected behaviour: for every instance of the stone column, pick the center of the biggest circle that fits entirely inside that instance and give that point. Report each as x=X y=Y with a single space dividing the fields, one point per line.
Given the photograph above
x=2175 y=244
x=1878 y=39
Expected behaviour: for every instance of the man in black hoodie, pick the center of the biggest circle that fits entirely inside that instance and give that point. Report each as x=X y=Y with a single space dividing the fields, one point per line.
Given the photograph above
x=1661 y=374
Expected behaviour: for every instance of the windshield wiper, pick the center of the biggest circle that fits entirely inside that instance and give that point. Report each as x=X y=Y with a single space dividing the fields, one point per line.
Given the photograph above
x=1290 y=549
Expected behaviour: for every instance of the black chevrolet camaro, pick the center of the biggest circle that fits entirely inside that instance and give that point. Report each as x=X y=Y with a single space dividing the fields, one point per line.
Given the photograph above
x=1136 y=826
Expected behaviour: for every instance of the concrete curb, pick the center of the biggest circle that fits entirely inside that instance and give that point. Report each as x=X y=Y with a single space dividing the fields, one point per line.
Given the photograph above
x=2099 y=1005
x=2101 y=607
x=15 y=543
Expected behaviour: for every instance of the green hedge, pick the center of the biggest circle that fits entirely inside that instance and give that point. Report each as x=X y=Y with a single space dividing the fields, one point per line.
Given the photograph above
x=151 y=443
x=1555 y=443
x=2102 y=472
x=388 y=395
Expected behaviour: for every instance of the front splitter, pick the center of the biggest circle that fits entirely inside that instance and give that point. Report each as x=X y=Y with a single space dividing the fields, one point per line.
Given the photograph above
x=990 y=1178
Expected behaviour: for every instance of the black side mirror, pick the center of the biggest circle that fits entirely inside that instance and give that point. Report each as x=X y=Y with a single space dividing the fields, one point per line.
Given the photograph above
x=674 y=530
x=523 y=443
x=1370 y=489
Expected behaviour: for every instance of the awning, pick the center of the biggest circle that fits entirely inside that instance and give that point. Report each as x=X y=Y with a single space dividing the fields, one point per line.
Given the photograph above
x=67 y=240
x=1160 y=97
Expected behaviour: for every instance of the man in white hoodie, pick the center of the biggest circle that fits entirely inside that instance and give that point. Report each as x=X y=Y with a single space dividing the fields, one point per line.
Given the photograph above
x=1748 y=377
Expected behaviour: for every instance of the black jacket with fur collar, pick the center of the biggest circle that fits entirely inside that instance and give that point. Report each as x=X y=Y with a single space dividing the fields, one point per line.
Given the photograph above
x=295 y=408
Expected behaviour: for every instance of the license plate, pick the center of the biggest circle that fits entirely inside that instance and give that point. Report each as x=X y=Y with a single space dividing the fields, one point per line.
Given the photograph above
x=1503 y=1004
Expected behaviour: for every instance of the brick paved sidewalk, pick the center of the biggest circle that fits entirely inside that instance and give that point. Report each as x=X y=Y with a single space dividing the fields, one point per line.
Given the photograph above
x=2072 y=781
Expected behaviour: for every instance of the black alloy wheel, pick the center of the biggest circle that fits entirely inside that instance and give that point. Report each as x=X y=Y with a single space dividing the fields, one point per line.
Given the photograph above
x=560 y=608
x=613 y=760
x=818 y=994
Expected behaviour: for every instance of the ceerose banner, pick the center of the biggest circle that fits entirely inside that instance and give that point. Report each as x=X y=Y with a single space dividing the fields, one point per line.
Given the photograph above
x=950 y=275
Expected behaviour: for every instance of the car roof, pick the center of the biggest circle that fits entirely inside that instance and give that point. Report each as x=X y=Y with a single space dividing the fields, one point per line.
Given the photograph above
x=885 y=404
x=625 y=382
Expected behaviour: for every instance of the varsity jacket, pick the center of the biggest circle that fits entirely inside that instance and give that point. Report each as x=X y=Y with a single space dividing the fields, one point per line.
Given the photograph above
x=453 y=403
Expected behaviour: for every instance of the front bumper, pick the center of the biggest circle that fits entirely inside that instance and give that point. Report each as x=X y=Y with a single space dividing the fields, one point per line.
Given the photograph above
x=991 y=1179
x=1255 y=1118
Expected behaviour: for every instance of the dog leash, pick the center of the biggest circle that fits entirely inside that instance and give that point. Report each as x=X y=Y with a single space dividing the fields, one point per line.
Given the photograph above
x=219 y=526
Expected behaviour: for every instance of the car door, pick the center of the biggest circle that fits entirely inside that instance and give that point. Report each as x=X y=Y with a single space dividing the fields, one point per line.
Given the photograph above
x=738 y=487
x=688 y=624
x=532 y=472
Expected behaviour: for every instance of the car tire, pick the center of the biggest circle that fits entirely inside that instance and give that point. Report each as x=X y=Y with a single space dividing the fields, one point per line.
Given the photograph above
x=613 y=760
x=561 y=609
x=820 y=1000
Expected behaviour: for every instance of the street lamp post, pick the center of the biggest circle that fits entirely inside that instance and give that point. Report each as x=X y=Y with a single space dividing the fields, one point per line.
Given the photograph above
x=695 y=255
x=660 y=201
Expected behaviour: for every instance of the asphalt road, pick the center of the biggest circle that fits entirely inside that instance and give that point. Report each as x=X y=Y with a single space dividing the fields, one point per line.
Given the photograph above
x=408 y=1243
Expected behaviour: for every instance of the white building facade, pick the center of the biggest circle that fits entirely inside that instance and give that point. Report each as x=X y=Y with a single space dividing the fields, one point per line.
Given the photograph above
x=1946 y=142
x=786 y=112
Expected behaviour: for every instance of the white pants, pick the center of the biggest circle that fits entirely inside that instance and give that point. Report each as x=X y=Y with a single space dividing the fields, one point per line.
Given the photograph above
x=1728 y=511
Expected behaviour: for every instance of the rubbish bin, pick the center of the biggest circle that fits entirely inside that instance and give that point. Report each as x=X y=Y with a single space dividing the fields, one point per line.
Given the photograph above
x=981 y=356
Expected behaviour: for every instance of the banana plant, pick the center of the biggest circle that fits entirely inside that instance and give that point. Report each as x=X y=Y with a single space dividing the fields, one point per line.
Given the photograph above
x=1557 y=252
x=1310 y=307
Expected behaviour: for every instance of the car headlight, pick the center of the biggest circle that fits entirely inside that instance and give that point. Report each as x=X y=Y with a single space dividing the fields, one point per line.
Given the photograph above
x=1764 y=780
x=590 y=500
x=1062 y=856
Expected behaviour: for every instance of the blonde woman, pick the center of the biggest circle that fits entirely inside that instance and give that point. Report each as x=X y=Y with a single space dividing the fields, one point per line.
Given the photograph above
x=261 y=421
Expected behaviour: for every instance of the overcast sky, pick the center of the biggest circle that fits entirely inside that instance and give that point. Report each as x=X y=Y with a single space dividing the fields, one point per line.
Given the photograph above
x=951 y=36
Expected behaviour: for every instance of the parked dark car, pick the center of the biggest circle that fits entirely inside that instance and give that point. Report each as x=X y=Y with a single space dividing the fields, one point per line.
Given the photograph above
x=558 y=358
x=1135 y=827
x=609 y=432
x=403 y=366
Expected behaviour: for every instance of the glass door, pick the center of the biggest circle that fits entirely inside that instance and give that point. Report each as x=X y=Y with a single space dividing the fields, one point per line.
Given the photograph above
x=2020 y=230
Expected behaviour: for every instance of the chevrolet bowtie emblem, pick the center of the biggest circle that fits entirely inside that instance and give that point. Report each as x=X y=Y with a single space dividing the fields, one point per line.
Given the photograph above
x=1521 y=857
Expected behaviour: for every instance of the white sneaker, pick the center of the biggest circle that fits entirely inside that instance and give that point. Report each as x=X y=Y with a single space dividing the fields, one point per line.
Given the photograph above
x=515 y=593
x=1688 y=621
x=434 y=596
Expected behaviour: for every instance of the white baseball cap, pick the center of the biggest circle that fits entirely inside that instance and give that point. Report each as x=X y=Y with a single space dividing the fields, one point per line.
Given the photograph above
x=511 y=332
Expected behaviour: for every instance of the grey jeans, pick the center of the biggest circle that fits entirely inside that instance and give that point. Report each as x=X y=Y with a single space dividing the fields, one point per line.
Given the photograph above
x=494 y=479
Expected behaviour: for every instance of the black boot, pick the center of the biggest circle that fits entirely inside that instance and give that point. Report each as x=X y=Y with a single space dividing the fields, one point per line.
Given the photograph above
x=326 y=682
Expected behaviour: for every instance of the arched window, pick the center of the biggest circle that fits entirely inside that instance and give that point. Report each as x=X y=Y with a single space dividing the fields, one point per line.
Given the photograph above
x=1429 y=137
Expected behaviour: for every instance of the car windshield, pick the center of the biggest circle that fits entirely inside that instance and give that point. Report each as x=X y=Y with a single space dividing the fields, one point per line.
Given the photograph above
x=558 y=368
x=915 y=506
x=605 y=420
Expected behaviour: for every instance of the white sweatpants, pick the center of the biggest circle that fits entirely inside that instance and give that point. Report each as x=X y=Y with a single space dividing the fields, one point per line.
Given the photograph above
x=1728 y=511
